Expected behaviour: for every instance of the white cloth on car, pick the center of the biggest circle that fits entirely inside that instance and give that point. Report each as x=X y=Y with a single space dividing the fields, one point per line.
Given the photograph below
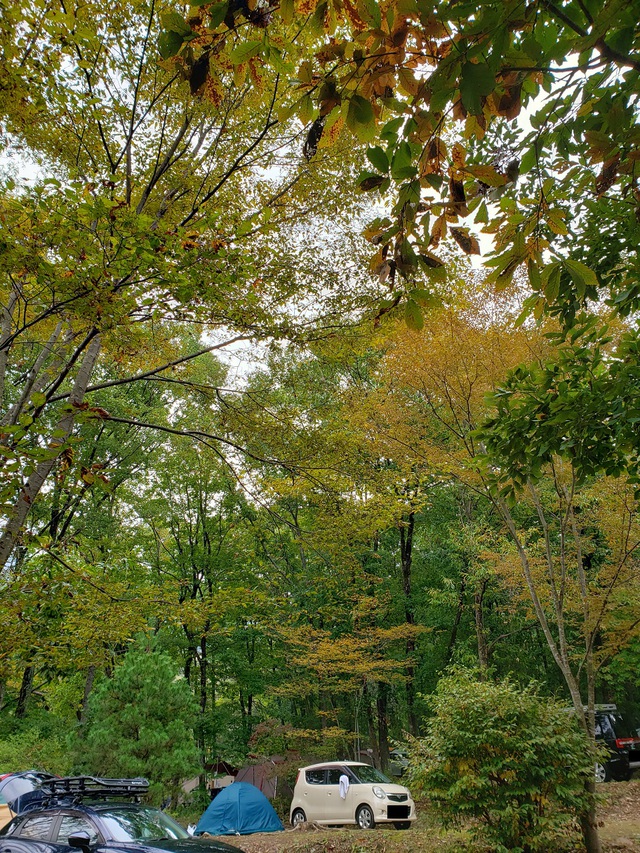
x=343 y=784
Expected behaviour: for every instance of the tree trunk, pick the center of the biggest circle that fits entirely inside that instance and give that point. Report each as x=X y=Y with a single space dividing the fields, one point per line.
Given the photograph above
x=456 y=621
x=25 y=691
x=589 y=824
x=481 y=633
x=5 y=332
x=88 y=686
x=31 y=489
x=383 y=723
x=588 y=821
x=406 y=557
x=373 y=740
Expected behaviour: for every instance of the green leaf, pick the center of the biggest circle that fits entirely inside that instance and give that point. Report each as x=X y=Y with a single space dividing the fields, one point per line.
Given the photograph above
x=488 y=175
x=287 y=10
x=550 y=279
x=175 y=23
x=245 y=51
x=622 y=40
x=217 y=14
x=535 y=278
x=370 y=13
x=582 y=275
x=360 y=118
x=378 y=158
x=306 y=109
x=413 y=315
x=476 y=82
x=169 y=43
x=425 y=298
x=482 y=216
x=402 y=162
x=409 y=193
x=390 y=130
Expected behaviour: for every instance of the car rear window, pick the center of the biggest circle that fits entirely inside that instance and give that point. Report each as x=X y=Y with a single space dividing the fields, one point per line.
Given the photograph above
x=314 y=777
x=622 y=727
x=38 y=827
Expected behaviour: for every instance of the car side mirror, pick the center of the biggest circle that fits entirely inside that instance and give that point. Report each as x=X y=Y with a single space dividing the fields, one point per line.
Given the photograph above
x=81 y=841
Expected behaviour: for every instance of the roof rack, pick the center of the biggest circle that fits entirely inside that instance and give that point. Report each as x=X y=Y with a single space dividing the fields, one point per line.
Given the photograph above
x=77 y=788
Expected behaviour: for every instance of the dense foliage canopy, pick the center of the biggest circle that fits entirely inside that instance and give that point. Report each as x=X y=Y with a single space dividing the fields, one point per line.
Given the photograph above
x=414 y=227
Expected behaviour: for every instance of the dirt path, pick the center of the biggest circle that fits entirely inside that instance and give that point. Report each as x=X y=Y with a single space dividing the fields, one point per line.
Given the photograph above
x=619 y=816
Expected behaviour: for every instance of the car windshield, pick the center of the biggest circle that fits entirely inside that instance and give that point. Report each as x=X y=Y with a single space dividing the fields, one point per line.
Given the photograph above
x=141 y=824
x=366 y=774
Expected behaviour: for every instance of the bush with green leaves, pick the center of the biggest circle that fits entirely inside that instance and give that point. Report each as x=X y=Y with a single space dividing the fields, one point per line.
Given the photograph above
x=141 y=722
x=504 y=755
x=32 y=749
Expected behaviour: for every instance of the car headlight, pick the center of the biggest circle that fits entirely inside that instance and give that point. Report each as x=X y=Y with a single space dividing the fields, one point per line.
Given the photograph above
x=379 y=792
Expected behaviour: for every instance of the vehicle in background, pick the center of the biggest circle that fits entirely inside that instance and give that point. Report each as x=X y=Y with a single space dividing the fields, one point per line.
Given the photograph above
x=88 y=814
x=622 y=742
x=349 y=792
x=398 y=762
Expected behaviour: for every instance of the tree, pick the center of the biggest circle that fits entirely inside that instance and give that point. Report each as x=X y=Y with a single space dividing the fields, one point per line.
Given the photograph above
x=437 y=90
x=574 y=544
x=504 y=755
x=141 y=723
x=140 y=223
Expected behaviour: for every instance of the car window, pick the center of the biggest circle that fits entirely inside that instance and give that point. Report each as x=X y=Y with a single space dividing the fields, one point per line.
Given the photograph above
x=606 y=728
x=315 y=777
x=76 y=825
x=140 y=824
x=38 y=827
x=333 y=775
x=622 y=727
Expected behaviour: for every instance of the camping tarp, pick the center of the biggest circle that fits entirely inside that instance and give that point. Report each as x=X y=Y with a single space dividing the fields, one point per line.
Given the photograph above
x=239 y=809
x=266 y=778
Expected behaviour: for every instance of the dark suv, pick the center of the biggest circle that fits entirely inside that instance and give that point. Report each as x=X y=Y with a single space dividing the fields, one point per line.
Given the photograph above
x=622 y=742
x=91 y=815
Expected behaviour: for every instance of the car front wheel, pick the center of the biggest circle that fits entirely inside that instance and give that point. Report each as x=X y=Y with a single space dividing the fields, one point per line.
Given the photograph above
x=365 y=818
x=298 y=817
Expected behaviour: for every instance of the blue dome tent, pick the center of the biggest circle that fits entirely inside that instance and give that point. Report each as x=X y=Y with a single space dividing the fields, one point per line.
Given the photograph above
x=239 y=809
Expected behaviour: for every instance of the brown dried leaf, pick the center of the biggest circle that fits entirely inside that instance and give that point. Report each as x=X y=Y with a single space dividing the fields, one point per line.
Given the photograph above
x=467 y=242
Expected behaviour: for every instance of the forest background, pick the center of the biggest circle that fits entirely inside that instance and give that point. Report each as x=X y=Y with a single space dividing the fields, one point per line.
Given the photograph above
x=416 y=226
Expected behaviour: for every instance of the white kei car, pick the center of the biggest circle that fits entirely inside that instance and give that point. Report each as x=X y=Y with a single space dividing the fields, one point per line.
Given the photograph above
x=342 y=792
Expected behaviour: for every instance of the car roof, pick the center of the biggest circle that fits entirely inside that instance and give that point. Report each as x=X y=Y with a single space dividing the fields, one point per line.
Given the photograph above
x=88 y=806
x=327 y=764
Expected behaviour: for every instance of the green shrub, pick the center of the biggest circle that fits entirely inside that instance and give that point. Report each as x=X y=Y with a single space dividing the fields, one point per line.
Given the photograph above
x=29 y=749
x=504 y=755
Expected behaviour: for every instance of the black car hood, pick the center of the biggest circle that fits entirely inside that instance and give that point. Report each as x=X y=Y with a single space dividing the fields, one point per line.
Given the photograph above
x=170 y=845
